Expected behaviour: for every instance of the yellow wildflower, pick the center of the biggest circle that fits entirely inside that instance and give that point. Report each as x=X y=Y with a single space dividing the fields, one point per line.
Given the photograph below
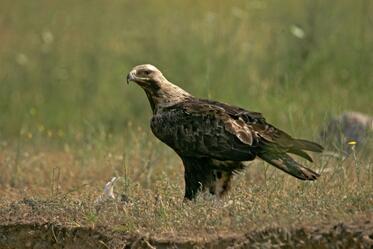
x=352 y=142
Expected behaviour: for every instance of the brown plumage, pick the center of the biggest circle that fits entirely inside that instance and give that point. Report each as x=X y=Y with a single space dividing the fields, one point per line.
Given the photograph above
x=213 y=138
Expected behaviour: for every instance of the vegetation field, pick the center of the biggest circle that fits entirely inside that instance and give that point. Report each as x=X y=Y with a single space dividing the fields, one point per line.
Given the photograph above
x=69 y=123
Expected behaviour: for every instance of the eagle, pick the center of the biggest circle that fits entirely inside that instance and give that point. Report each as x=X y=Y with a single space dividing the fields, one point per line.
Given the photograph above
x=214 y=139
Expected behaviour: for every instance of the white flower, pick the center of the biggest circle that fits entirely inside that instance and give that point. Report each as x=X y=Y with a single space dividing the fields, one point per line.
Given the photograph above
x=297 y=31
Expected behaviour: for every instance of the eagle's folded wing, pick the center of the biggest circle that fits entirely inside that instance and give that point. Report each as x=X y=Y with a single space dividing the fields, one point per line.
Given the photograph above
x=202 y=129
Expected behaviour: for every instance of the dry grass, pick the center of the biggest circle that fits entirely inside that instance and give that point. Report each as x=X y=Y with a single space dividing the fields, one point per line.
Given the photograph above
x=60 y=185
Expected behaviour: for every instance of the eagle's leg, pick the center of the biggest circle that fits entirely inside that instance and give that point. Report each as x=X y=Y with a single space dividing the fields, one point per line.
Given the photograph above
x=198 y=175
x=221 y=183
x=208 y=174
x=223 y=173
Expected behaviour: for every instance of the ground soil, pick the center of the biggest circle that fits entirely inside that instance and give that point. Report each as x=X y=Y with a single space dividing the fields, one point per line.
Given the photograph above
x=355 y=234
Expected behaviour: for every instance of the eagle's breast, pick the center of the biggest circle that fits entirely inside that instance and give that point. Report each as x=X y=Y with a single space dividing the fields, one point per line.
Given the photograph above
x=186 y=133
x=163 y=126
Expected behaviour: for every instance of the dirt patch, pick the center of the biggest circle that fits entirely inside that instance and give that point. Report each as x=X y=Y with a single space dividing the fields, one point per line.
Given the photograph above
x=45 y=236
x=358 y=234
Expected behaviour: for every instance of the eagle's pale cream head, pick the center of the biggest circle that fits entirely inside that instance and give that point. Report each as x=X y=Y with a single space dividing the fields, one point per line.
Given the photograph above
x=160 y=92
x=145 y=75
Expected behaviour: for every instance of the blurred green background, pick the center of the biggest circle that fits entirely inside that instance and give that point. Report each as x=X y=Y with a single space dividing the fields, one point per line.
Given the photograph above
x=63 y=63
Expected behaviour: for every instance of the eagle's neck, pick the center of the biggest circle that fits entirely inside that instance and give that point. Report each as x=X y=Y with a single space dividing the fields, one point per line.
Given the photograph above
x=165 y=94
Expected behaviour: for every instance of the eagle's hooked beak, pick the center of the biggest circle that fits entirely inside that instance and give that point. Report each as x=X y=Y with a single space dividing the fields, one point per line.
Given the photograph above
x=130 y=76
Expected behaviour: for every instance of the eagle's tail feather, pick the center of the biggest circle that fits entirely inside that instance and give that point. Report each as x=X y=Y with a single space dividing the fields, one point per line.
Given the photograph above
x=285 y=163
x=307 y=145
x=301 y=153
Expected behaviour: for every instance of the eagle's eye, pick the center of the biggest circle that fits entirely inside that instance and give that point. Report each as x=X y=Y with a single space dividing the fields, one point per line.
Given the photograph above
x=147 y=72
